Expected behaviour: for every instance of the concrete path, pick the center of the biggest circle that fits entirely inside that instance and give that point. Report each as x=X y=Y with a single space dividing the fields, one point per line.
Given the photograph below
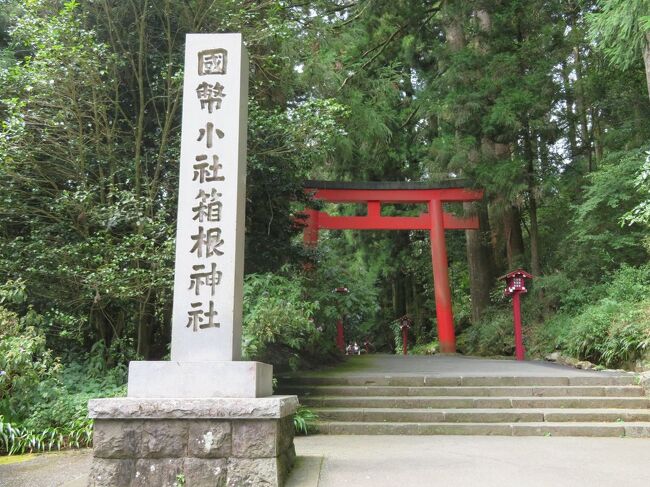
x=415 y=461
x=450 y=365
x=61 y=469
x=459 y=461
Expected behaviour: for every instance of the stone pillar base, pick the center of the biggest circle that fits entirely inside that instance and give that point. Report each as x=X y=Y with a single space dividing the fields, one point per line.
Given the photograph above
x=192 y=442
x=199 y=379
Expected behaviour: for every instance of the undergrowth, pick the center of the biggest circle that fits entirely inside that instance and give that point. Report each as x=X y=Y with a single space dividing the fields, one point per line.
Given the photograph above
x=608 y=324
x=16 y=440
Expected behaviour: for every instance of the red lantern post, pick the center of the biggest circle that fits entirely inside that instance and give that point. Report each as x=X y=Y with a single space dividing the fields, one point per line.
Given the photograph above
x=516 y=285
x=340 y=338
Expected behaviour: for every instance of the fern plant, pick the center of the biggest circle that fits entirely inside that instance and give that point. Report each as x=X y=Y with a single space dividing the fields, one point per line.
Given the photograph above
x=303 y=420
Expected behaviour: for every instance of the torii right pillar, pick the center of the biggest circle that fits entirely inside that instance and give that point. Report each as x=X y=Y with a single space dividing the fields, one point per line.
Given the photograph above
x=444 y=313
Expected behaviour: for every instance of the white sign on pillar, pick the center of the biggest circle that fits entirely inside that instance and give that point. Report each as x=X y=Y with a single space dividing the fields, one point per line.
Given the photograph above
x=208 y=282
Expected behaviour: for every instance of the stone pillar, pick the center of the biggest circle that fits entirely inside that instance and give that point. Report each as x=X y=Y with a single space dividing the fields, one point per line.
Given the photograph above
x=205 y=418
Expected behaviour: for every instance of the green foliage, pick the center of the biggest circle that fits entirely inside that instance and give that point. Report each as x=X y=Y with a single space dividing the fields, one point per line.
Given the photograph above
x=608 y=324
x=303 y=420
x=43 y=405
x=614 y=331
x=610 y=333
x=619 y=29
x=598 y=243
x=278 y=321
x=15 y=440
x=358 y=308
x=430 y=348
x=58 y=417
x=492 y=336
x=29 y=373
x=640 y=214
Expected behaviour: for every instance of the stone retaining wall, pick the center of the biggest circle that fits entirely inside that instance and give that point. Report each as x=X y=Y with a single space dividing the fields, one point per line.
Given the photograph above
x=191 y=452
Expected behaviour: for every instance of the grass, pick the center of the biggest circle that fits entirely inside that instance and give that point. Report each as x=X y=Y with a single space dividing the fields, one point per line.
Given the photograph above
x=8 y=460
x=351 y=364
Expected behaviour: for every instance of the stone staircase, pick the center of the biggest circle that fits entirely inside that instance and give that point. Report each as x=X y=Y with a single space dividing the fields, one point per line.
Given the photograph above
x=589 y=405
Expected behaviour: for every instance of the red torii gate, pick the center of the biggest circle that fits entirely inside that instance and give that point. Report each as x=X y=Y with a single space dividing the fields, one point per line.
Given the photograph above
x=436 y=220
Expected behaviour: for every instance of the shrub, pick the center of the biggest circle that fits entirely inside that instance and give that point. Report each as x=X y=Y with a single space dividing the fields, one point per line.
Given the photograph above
x=493 y=335
x=29 y=374
x=278 y=322
x=70 y=403
x=425 y=348
x=611 y=333
x=608 y=324
x=614 y=331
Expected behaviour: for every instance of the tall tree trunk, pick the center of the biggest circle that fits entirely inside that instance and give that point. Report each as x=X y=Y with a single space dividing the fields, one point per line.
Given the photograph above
x=513 y=237
x=569 y=114
x=145 y=328
x=597 y=137
x=479 y=259
x=394 y=296
x=646 y=60
x=532 y=202
x=581 y=105
x=478 y=245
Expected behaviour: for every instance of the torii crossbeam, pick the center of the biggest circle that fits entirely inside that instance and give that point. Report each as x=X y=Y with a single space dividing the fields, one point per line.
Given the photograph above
x=436 y=220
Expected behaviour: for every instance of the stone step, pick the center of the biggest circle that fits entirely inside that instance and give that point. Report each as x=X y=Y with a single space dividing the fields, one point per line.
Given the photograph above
x=428 y=380
x=476 y=402
x=636 y=430
x=481 y=415
x=495 y=391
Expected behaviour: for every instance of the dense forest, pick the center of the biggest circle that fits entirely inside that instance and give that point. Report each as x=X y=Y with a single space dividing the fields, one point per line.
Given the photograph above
x=544 y=104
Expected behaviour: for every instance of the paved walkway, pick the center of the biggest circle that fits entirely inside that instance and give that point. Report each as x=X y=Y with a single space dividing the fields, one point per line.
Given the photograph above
x=416 y=461
x=60 y=469
x=471 y=461
x=450 y=365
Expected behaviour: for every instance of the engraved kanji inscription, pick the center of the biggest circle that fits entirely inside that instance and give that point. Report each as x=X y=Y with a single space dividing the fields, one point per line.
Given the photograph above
x=207 y=242
x=200 y=277
x=210 y=96
x=209 y=207
x=205 y=172
x=207 y=134
x=213 y=61
x=198 y=319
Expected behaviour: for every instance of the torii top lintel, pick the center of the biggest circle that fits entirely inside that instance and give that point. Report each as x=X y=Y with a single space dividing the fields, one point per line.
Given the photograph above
x=376 y=193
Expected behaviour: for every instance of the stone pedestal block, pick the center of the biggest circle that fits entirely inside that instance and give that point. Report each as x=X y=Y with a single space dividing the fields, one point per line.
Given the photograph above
x=192 y=442
x=200 y=379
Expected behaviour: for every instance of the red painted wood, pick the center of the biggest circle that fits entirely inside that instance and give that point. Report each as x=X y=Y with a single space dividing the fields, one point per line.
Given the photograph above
x=396 y=195
x=444 y=314
x=374 y=209
x=519 y=339
x=405 y=340
x=375 y=222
